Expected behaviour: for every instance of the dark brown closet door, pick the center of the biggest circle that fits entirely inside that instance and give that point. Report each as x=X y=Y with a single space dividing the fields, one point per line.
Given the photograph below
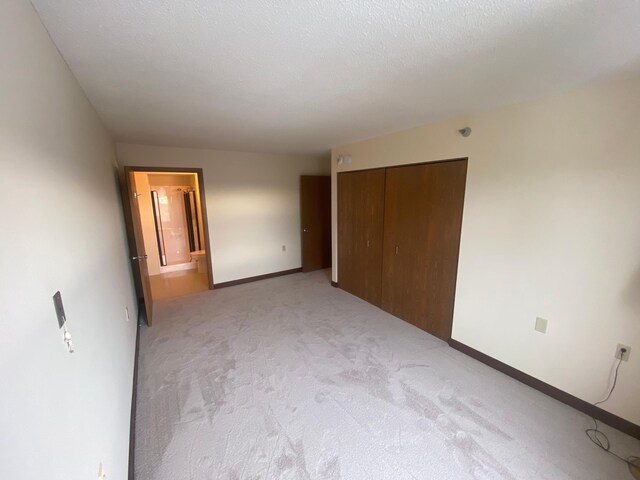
x=360 y=223
x=423 y=216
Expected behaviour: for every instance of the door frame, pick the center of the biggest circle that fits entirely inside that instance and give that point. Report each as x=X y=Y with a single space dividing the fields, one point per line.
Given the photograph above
x=203 y=204
x=399 y=165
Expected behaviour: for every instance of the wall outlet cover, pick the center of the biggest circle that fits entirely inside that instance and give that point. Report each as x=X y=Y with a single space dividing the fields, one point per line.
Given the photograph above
x=624 y=357
x=541 y=325
x=57 y=303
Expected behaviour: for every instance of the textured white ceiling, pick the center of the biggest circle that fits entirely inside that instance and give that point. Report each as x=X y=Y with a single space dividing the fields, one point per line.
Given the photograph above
x=306 y=75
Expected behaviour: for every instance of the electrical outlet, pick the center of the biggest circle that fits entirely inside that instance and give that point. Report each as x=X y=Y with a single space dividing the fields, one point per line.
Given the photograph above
x=541 y=325
x=623 y=356
x=284 y=248
x=126 y=312
x=101 y=473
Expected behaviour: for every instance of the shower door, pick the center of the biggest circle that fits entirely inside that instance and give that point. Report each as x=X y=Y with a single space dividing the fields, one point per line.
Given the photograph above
x=171 y=226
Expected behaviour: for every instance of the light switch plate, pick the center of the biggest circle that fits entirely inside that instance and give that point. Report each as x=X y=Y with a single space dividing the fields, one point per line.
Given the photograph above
x=541 y=325
x=57 y=303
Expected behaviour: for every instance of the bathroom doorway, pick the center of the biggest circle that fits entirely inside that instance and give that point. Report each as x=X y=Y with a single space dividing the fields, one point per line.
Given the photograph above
x=173 y=226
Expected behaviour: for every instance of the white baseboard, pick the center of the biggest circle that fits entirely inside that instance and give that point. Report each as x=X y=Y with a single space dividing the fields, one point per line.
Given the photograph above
x=179 y=267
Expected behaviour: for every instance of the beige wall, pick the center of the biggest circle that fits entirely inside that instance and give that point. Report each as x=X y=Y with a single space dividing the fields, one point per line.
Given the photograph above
x=62 y=229
x=252 y=204
x=172 y=179
x=551 y=228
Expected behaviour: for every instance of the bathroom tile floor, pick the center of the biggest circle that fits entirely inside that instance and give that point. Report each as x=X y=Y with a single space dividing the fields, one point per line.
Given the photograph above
x=177 y=284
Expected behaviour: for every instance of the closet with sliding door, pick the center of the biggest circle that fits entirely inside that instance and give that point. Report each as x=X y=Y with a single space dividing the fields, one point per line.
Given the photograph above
x=398 y=239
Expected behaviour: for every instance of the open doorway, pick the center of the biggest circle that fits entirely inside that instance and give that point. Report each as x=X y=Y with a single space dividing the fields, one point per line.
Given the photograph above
x=173 y=249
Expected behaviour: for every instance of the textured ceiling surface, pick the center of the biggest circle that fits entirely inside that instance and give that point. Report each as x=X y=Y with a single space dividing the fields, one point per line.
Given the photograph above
x=306 y=75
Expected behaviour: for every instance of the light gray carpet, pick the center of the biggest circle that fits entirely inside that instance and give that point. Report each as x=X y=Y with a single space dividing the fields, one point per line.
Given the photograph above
x=290 y=378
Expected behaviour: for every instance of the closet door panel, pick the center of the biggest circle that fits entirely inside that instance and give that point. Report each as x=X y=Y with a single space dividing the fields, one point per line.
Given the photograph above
x=444 y=221
x=403 y=276
x=360 y=224
x=423 y=217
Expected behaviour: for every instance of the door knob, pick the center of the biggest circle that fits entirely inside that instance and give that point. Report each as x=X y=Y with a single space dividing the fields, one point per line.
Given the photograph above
x=140 y=258
x=305 y=230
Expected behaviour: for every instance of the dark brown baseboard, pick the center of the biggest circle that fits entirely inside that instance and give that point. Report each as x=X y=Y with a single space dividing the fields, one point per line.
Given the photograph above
x=334 y=284
x=585 y=407
x=256 y=278
x=134 y=396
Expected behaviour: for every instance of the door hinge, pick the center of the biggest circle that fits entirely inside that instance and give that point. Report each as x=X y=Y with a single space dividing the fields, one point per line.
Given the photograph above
x=135 y=194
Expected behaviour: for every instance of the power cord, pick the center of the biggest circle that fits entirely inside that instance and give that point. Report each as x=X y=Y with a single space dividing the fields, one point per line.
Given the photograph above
x=598 y=437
